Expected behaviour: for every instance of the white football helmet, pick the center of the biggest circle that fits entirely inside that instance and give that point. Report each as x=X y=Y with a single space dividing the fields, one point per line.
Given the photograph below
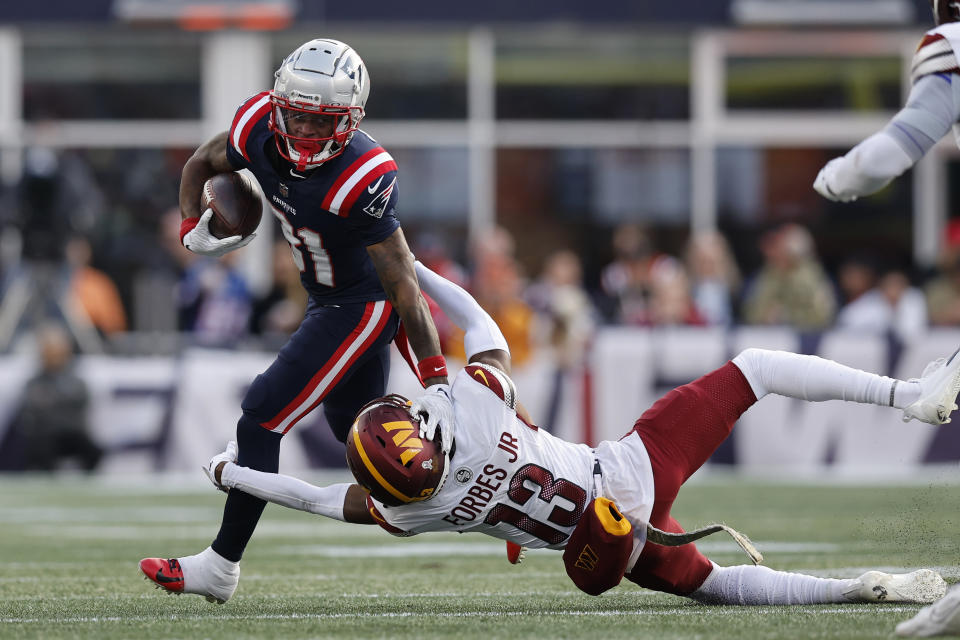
x=318 y=99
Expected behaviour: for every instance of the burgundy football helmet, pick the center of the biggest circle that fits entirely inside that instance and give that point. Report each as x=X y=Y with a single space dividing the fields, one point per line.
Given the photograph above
x=945 y=11
x=388 y=457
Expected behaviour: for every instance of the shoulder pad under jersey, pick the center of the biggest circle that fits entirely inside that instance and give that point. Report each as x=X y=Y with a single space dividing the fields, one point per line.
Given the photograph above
x=495 y=380
x=251 y=114
x=934 y=55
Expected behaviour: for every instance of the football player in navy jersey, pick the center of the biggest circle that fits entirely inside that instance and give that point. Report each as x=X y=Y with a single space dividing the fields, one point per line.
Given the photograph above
x=334 y=190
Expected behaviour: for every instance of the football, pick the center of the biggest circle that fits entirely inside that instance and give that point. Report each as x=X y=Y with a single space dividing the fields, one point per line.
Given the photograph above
x=236 y=202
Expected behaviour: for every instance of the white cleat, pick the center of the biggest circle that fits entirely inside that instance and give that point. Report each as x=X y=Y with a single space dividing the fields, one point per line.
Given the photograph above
x=207 y=574
x=919 y=587
x=939 y=385
x=942 y=618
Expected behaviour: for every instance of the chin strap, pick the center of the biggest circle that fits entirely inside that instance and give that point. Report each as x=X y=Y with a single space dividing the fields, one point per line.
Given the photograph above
x=665 y=539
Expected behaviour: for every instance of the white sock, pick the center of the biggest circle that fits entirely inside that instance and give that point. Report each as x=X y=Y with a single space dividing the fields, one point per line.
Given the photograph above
x=750 y=585
x=209 y=573
x=816 y=379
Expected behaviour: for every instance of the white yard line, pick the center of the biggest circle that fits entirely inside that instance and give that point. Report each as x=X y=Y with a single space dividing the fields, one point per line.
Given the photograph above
x=674 y=611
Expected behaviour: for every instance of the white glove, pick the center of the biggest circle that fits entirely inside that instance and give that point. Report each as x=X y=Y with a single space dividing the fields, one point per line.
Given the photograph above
x=200 y=240
x=824 y=178
x=435 y=409
x=230 y=455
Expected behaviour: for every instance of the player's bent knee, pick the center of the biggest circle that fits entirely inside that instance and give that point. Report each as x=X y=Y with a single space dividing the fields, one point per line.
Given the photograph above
x=748 y=355
x=256 y=400
x=259 y=448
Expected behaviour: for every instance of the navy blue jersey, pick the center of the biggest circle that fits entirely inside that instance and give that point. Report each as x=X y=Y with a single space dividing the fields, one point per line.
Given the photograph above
x=329 y=214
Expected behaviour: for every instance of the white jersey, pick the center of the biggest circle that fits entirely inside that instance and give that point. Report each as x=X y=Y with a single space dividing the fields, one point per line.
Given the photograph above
x=937 y=54
x=514 y=481
x=932 y=109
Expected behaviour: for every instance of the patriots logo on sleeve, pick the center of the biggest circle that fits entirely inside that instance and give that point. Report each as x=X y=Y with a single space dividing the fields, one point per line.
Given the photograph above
x=378 y=205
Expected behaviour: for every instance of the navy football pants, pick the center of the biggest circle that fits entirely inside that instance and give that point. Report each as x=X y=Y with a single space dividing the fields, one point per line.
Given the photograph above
x=338 y=356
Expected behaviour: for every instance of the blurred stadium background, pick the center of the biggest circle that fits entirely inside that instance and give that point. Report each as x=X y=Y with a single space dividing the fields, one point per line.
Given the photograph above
x=611 y=180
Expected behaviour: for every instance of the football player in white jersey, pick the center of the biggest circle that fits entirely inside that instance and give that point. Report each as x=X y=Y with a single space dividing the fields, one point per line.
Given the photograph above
x=508 y=479
x=932 y=108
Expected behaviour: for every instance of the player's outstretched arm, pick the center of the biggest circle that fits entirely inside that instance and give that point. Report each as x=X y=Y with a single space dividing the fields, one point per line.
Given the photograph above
x=346 y=502
x=394 y=264
x=482 y=339
x=872 y=164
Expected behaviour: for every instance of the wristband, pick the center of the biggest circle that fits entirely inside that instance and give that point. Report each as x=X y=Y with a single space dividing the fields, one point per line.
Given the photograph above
x=186 y=226
x=432 y=367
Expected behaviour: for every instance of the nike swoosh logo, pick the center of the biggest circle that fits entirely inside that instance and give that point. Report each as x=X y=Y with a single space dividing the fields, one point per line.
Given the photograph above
x=480 y=374
x=376 y=186
x=297 y=175
x=166 y=579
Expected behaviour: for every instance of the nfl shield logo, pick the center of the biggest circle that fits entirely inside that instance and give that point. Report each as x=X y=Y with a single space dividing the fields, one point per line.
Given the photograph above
x=284 y=190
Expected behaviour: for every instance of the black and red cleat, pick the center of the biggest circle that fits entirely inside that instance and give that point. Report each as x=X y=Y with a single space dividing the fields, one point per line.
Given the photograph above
x=166 y=574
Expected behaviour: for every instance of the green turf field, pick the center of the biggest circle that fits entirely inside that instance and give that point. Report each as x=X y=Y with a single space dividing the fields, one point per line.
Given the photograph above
x=69 y=549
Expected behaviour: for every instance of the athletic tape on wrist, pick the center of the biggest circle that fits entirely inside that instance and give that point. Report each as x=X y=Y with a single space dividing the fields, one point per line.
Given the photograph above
x=186 y=226
x=432 y=367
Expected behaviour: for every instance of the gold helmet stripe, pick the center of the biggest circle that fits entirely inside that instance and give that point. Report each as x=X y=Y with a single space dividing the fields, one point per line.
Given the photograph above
x=373 y=471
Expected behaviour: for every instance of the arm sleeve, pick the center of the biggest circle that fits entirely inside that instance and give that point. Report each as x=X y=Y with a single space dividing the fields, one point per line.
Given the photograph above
x=481 y=333
x=287 y=491
x=872 y=164
x=928 y=115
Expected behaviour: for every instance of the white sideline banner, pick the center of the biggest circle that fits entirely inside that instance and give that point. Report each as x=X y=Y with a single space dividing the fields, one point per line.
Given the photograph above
x=175 y=413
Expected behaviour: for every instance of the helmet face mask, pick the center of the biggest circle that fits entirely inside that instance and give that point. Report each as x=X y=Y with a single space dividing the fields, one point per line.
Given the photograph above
x=389 y=459
x=945 y=11
x=323 y=82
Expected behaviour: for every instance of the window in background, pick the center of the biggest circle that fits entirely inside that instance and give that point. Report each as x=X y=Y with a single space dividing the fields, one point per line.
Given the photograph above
x=82 y=75
x=433 y=184
x=413 y=75
x=759 y=188
x=135 y=233
x=602 y=185
x=822 y=12
x=572 y=198
x=555 y=74
x=953 y=187
x=814 y=83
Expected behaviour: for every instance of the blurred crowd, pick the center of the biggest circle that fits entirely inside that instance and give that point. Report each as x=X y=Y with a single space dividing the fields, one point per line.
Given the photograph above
x=67 y=254
x=703 y=286
x=88 y=260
